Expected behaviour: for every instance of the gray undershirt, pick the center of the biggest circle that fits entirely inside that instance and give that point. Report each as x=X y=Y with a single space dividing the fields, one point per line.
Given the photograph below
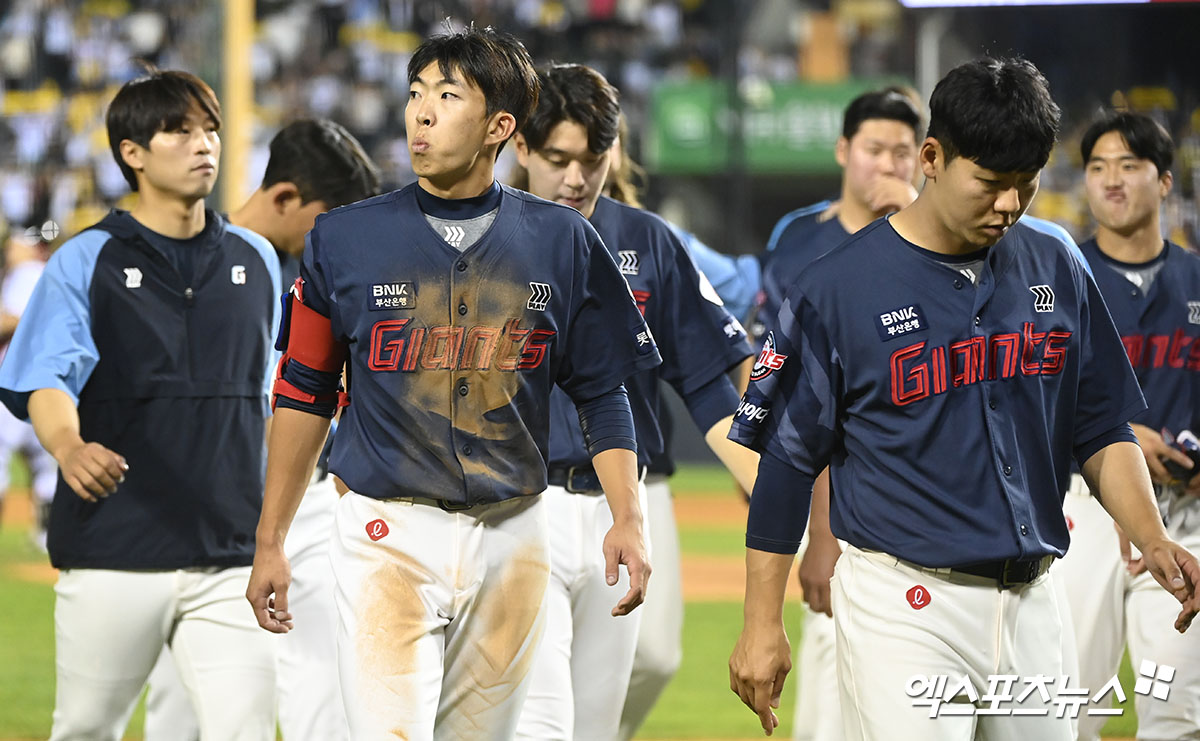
x=1142 y=277
x=461 y=234
x=970 y=270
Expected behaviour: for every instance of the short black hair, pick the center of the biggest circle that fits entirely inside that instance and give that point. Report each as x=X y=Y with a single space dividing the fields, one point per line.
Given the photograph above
x=495 y=61
x=889 y=103
x=1146 y=138
x=157 y=101
x=573 y=92
x=996 y=112
x=323 y=161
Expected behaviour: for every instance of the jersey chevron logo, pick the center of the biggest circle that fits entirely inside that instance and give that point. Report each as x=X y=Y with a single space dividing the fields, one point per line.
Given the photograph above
x=630 y=263
x=539 y=297
x=1043 y=298
x=1193 y=312
x=454 y=235
x=133 y=278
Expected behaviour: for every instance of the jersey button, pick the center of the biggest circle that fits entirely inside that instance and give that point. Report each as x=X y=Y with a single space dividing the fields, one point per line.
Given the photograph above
x=978 y=321
x=462 y=309
x=958 y=284
x=466 y=449
x=462 y=389
x=1024 y=530
x=1008 y=470
x=461 y=266
x=1133 y=293
x=991 y=403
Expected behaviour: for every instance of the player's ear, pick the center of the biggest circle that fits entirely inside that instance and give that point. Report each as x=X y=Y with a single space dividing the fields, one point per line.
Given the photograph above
x=1165 y=181
x=522 y=147
x=283 y=196
x=501 y=127
x=930 y=157
x=131 y=154
x=841 y=151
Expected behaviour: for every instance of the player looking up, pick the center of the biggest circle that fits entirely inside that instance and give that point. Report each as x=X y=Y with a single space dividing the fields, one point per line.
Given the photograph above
x=1149 y=285
x=582 y=670
x=142 y=361
x=454 y=321
x=948 y=408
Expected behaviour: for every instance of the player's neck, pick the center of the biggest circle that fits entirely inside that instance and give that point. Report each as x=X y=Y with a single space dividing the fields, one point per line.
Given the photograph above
x=170 y=217
x=254 y=215
x=454 y=186
x=920 y=224
x=1138 y=245
x=854 y=215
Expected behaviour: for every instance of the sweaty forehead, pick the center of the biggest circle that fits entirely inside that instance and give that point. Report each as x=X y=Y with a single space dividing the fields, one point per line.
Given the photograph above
x=433 y=74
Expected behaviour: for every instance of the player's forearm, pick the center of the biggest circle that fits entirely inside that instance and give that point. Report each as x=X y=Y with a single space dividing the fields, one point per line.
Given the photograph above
x=295 y=444
x=55 y=420
x=766 y=585
x=741 y=375
x=741 y=461
x=617 y=469
x=1118 y=473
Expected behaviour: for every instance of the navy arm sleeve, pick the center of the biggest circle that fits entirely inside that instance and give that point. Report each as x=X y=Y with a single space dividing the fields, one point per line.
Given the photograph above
x=778 y=507
x=712 y=402
x=607 y=422
x=1122 y=433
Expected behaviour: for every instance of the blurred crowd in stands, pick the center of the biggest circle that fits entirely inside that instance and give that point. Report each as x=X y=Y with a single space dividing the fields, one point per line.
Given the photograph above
x=62 y=60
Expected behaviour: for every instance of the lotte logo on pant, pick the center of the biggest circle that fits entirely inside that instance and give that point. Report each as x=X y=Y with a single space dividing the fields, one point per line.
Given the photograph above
x=918 y=597
x=376 y=529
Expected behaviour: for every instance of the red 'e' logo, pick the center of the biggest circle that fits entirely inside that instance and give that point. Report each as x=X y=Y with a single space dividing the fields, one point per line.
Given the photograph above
x=376 y=529
x=1070 y=523
x=918 y=597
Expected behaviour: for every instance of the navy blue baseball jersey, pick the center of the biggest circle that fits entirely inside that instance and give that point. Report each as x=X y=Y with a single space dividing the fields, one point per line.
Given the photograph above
x=452 y=355
x=948 y=411
x=797 y=239
x=1160 y=328
x=698 y=339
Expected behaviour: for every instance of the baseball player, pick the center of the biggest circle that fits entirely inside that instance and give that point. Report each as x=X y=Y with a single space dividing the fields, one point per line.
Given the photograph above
x=142 y=361
x=24 y=262
x=581 y=671
x=314 y=165
x=1150 y=286
x=457 y=304
x=948 y=408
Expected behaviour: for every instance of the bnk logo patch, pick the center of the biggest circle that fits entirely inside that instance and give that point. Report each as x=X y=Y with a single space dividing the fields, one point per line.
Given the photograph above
x=396 y=295
x=899 y=322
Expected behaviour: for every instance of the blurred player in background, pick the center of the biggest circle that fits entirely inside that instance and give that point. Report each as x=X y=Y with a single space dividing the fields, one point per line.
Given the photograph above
x=582 y=669
x=24 y=261
x=314 y=166
x=456 y=322
x=142 y=361
x=1152 y=289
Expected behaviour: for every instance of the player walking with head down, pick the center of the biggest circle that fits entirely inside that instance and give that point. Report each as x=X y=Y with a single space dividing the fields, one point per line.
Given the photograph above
x=142 y=361
x=457 y=304
x=948 y=410
x=582 y=670
x=1151 y=287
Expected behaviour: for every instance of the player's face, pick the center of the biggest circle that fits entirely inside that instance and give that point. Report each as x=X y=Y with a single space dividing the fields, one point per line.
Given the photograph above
x=976 y=205
x=881 y=149
x=182 y=163
x=1124 y=191
x=564 y=169
x=448 y=126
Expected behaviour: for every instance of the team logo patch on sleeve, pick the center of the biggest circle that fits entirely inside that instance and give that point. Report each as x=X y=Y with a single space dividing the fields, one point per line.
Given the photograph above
x=733 y=329
x=395 y=295
x=899 y=322
x=768 y=360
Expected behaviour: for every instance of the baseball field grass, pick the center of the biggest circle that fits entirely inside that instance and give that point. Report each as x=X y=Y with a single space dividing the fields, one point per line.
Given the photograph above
x=697 y=705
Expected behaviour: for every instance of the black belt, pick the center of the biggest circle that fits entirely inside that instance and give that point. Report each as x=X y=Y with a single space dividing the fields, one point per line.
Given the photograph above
x=1010 y=573
x=580 y=479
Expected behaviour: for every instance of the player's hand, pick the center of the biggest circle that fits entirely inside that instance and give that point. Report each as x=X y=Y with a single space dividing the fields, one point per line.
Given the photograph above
x=268 y=588
x=758 y=667
x=1177 y=570
x=816 y=569
x=91 y=470
x=889 y=193
x=1155 y=449
x=624 y=544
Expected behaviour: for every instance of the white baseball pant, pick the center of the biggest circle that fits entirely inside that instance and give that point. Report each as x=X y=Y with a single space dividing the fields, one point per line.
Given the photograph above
x=110 y=627
x=1110 y=608
x=581 y=671
x=439 y=614
x=659 y=649
x=310 y=701
x=956 y=625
